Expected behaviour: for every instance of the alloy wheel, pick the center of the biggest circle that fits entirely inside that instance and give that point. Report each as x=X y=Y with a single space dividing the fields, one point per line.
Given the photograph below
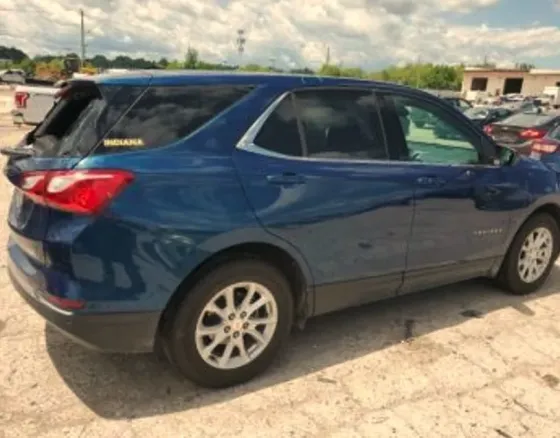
x=236 y=325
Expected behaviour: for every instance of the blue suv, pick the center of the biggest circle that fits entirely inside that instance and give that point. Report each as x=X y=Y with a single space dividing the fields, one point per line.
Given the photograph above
x=203 y=215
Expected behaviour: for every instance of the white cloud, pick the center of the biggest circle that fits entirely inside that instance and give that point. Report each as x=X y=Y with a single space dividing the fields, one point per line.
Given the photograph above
x=368 y=33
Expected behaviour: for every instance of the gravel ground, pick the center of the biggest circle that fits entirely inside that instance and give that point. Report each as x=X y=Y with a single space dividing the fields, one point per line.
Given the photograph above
x=460 y=361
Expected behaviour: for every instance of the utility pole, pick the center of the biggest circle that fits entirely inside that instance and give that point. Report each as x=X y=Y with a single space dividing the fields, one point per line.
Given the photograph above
x=418 y=66
x=83 y=37
x=328 y=56
x=240 y=42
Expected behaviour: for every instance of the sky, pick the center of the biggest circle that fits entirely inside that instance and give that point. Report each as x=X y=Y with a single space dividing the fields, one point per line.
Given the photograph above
x=293 y=33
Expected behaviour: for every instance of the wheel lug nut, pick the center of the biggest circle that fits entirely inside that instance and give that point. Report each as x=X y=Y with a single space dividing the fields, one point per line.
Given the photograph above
x=236 y=335
x=246 y=325
x=243 y=314
x=231 y=317
x=227 y=329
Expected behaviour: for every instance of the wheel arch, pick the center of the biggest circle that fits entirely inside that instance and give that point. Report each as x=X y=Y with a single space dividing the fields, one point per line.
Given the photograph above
x=550 y=208
x=285 y=259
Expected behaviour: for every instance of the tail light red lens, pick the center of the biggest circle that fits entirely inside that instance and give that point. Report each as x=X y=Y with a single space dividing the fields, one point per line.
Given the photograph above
x=545 y=146
x=530 y=134
x=20 y=99
x=75 y=191
x=488 y=129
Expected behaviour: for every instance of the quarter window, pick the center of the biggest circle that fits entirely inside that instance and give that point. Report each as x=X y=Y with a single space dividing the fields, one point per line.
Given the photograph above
x=164 y=115
x=439 y=140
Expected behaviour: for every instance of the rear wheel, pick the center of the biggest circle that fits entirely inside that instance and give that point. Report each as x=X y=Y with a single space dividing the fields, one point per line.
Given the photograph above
x=231 y=325
x=531 y=256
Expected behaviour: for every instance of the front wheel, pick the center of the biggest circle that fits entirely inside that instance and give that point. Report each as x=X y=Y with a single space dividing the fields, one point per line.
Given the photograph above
x=232 y=324
x=531 y=256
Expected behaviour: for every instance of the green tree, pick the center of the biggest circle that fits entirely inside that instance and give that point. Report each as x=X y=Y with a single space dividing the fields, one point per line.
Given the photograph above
x=524 y=66
x=27 y=65
x=330 y=70
x=255 y=68
x=174 y=65
x=12 y=54
x=191 y=59
x=100 y=61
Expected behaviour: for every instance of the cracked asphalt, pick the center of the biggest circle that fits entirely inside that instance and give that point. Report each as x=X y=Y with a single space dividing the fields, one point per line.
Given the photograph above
x=460 y=361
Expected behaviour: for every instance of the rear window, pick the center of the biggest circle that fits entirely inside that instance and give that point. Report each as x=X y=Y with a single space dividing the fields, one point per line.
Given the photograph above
x=126 y=117
x=81 y=117
x=528 y=120
x=475 y=113
x=164 y=115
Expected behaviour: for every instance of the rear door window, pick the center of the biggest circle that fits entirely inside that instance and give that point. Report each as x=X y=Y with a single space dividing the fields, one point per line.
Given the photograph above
x=341 y=124
x=164 y=115
x=280 y=133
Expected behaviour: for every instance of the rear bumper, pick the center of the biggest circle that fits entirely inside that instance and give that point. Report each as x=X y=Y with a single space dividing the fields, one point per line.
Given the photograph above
x=109 y=332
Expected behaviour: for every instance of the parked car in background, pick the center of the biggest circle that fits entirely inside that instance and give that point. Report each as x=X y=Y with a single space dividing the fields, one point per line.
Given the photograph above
x=421 y=119
x=34 y=100
x=553 y=94
x=202 y=215
x=32 y=103
x=12 y=76
x=522 y=129
x=523 y=106
x=480 y=116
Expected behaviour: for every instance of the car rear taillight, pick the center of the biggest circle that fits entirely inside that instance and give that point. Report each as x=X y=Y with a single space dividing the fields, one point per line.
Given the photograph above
x=545 y=146
x=488 y=129
x=75 y=191
x=20 y=99
x=531 y=134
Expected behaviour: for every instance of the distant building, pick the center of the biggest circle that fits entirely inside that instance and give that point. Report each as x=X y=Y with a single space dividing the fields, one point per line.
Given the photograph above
x=499 y=81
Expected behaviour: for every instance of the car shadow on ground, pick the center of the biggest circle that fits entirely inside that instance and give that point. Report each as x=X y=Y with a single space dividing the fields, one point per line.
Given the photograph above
x=133 y=386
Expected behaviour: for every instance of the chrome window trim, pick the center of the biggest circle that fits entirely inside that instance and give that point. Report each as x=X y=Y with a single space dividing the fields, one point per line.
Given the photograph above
x=247 y=143
x=249 y=136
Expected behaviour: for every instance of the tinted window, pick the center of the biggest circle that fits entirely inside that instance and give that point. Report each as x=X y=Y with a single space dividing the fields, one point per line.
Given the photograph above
x=340 y=124
x=477 y=113
x=555 y=133
x=164 y=115
x=448 y=144
x=80 y=118
x=528 y=120
x=464 y=105
x=280 y=133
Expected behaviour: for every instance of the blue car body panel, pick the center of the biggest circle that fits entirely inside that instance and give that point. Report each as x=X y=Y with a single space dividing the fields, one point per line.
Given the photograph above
x=362 y=225
x=351 y=221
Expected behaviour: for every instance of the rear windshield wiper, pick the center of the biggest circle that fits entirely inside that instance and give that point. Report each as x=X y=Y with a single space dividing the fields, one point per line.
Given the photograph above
x=18 y=152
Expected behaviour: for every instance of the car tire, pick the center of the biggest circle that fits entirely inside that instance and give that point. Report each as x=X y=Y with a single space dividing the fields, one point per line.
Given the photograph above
x=199 y=341
x=521 y=273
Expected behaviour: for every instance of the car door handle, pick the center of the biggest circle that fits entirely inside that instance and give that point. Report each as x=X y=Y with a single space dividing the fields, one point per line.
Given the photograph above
x=430 y=181
x=286 y=179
